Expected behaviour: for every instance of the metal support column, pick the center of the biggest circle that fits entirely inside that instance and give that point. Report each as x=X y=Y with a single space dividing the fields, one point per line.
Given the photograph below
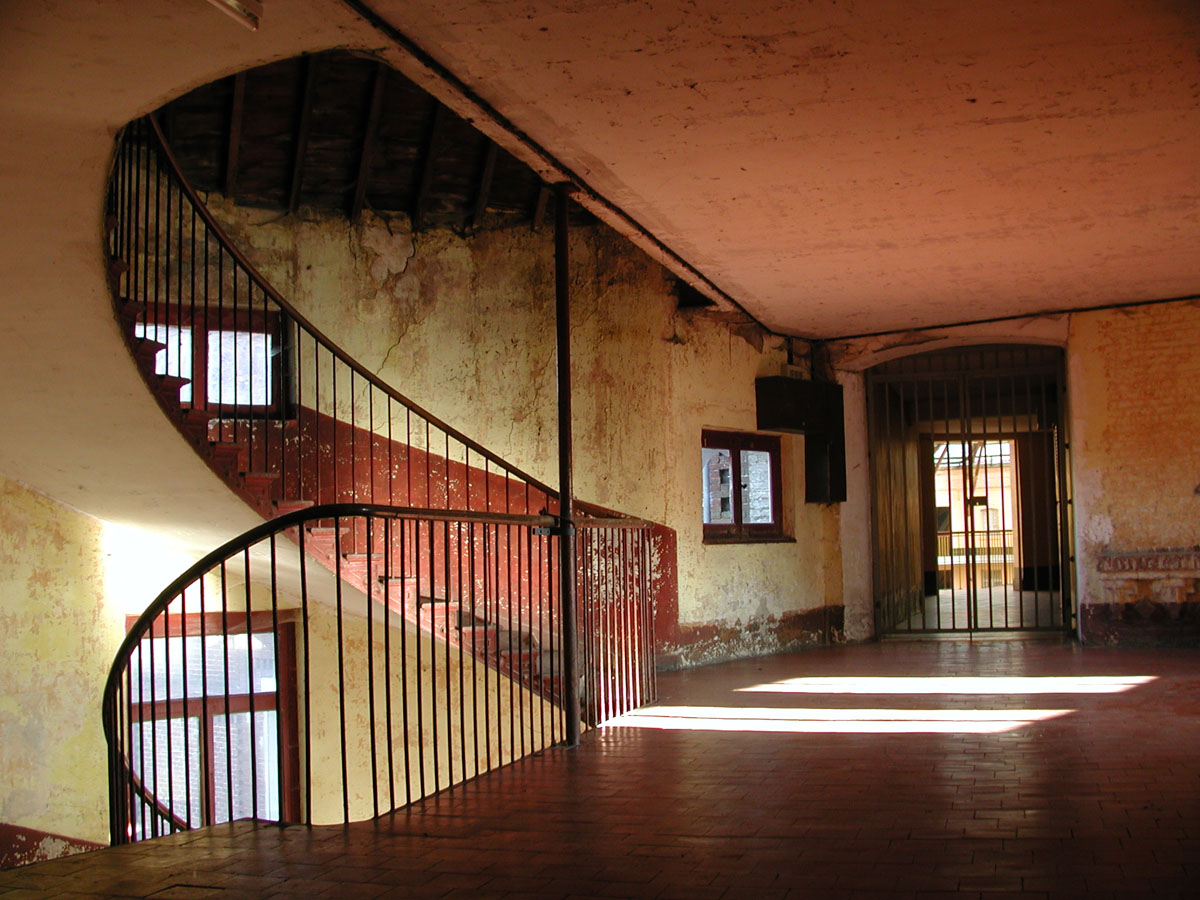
x=566 y=510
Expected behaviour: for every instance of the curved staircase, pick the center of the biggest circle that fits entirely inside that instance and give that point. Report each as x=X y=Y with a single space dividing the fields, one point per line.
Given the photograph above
x=427 y=526
x=288 y=420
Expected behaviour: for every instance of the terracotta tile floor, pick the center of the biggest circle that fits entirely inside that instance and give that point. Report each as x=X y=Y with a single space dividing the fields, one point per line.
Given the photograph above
x=895 y=770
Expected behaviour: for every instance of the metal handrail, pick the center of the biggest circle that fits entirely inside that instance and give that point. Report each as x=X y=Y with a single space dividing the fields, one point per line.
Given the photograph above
x=153 y=241
x=303 y=322
x=279 y=525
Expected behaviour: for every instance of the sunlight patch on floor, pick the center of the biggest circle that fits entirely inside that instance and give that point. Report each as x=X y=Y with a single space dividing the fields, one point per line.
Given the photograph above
x=835 y=721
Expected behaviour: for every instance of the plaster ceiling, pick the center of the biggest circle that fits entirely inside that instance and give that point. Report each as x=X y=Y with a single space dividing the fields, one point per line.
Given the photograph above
x=843 y=167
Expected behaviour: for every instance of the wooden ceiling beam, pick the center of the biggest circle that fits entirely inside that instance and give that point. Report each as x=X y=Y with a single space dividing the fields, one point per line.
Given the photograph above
x=374 y=113
x=303 y=129
x=237 y=107
x=486 y=177
x=425 y=178
x=539 y=207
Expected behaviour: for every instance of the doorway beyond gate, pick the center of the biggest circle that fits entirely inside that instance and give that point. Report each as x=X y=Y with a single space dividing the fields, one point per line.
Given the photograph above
x=969 y=491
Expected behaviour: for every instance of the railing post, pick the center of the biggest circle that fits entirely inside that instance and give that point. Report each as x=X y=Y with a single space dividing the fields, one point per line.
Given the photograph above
x=566 y=503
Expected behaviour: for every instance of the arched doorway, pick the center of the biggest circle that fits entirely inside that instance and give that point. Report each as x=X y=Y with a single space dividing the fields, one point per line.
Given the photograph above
x=970 y=498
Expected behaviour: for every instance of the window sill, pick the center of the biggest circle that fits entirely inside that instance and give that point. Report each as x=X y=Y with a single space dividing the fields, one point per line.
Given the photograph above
x=748 y=539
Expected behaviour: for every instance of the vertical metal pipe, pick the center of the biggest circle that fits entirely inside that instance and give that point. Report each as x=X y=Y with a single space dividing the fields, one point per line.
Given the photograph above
x=566 y=505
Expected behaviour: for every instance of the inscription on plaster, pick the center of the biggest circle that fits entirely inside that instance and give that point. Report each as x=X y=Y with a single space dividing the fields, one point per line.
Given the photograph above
x=1151 y=561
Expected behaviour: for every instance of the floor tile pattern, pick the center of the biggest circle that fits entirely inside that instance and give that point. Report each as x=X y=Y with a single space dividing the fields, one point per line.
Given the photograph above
x=915 y=770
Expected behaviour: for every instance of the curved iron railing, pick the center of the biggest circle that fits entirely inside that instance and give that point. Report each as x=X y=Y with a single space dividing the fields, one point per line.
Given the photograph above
x=274 y=401
x=438 y=533
x=257 y=685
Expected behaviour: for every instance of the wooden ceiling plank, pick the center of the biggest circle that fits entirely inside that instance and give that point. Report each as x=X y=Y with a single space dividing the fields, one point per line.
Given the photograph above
x=237 y=107
x=303 y=129
x=425 y=180
x=485 y=185
x=368 y=142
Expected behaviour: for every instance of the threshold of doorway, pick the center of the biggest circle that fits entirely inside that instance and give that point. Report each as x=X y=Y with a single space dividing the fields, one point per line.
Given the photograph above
x=1047 y=637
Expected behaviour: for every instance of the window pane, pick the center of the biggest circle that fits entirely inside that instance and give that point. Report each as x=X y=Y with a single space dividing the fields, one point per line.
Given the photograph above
x=239 y=368
x=231 y=746
x=174 y=789
x=756 y=487
x=717 y=466
x=161 y=668
x=176 y=356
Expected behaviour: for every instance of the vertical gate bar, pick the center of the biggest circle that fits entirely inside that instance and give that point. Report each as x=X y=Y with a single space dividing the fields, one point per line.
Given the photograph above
x=371 y=721
x=471 y=574
x=446 y=616
x=279 y=712
x=187 y=743
x=206 y=803
x=250 y=689
x=153 y=790
x=933 y=443
x=341 y=661
x=889 y=564
x=166 y=615
x=225 y=691
x=489 y=588
x=968 y=509
x=953 y=387
x=519 y=670
x=1007 y=532
x=1050 y=502
x=986 y=466
x=403 y=554
x=1062 y=447
x=462 y=694
x=1035 y=432
x=543 y=601
x=433 y=673
x=419 y=674
x=308 y=726
x=512 y=712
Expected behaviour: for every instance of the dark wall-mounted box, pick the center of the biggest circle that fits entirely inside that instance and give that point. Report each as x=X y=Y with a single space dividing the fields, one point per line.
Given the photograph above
x=814 y=409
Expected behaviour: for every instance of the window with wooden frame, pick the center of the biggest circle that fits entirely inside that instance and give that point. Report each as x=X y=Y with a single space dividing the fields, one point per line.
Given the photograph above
x=231 y=359
x=742 y=487
x=223 y=697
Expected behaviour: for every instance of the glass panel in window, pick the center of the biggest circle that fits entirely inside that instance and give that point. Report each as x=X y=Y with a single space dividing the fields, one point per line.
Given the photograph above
x=239 y=368
x=162 y=668
x=176 y=356
x=172 y=787
x=756 y=488
x=237 y=771
x=717 y=465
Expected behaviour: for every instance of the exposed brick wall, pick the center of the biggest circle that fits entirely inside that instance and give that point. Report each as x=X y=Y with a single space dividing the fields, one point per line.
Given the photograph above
x=1134 y=376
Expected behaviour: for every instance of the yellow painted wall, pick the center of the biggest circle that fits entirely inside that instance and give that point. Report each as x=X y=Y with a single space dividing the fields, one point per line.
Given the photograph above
x=66 y=583
x=454 y=753
x=465 y=328
x=1134 y=382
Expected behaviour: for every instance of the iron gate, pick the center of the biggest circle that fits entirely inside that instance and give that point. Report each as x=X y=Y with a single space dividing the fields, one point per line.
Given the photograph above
x=969 y=491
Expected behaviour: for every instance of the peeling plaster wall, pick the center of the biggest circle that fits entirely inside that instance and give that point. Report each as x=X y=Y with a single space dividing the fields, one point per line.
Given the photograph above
x=63 y=600
x=464 y=327
x=1135 y=423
